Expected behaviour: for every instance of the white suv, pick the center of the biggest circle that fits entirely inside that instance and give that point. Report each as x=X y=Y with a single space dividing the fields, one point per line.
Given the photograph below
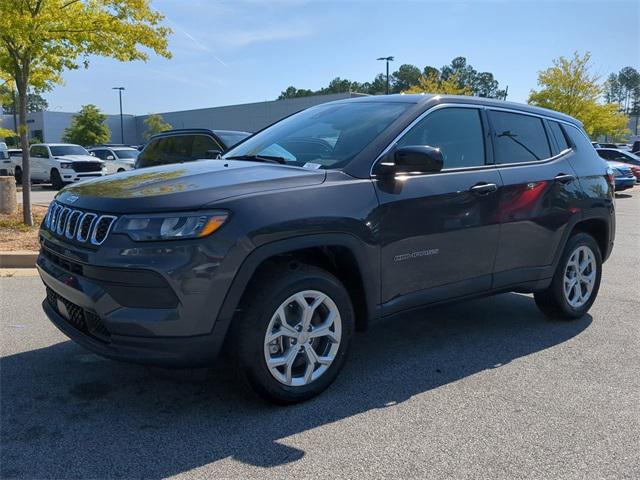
x=117 y=159
x=62 y=163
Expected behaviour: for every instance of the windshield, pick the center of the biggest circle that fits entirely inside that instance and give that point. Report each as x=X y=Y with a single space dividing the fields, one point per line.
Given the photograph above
x=63 y=150
x=326 y=136
x=127 y=153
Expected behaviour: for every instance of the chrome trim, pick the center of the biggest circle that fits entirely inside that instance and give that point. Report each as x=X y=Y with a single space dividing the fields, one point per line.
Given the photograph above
x=93 y=217
x=97 y=224
x=477 y=107
x=62 y=220
x=67 y=232
x=54 y=216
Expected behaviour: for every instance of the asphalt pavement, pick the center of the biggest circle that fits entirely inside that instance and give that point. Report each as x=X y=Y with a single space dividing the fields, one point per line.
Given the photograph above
x=40 y=194
x=483 y=389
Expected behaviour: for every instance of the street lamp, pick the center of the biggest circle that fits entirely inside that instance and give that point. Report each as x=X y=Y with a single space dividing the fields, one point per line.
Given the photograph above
x=387 y=59
x=120 y=89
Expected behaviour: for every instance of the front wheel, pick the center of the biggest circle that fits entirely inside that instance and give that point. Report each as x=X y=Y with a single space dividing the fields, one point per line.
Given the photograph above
x=291 y=339
x=576 y=281
x=56 y=180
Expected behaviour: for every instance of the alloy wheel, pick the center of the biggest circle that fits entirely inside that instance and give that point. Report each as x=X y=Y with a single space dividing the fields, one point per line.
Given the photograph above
x=580 y=276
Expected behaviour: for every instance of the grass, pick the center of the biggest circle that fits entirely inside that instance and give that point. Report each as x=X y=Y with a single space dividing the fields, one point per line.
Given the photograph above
x=15 y=235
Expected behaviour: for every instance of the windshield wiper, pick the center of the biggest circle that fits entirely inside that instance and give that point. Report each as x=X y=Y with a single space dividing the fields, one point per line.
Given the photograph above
x=259 y=158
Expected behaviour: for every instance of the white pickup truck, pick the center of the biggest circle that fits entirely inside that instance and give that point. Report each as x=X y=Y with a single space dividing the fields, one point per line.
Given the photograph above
x=63 y=163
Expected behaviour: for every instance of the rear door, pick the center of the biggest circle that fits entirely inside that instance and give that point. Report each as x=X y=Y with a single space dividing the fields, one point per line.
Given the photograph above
x=437 y=232
x=38 y=156
x=539 y=192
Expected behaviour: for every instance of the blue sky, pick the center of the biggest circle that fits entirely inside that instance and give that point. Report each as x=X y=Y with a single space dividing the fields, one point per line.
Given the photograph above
x=248 y=50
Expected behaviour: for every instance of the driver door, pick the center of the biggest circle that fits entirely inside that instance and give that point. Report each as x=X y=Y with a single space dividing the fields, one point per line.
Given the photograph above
x=438 y=232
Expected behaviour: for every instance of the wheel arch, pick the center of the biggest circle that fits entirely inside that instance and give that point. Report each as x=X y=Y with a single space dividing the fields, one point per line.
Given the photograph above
x=598 y=229
x=347 y=257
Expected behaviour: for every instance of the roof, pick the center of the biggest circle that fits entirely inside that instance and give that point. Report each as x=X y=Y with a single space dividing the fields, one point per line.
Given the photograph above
x=424 y=98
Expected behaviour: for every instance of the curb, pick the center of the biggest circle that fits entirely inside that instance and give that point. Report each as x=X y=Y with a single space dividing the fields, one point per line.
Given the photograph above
x=18 y=259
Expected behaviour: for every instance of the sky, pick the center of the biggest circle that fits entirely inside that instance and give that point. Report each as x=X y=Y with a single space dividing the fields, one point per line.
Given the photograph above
x=242 y=51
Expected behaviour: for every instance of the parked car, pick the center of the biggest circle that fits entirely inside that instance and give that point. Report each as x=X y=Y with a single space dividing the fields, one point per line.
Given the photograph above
x=622 y=156
x=596 y=145
x=116 y=158
x=186 y=145
x=63 y=163
x=635 y=148
x=608 y=145
x=623 y=176
x=6 y=166
x=334 y=217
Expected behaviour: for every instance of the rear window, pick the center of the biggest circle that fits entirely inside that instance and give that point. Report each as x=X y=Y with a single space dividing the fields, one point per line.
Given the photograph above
x=176 y=149
x=558 y=136
x=231 y=138
x=519 y=138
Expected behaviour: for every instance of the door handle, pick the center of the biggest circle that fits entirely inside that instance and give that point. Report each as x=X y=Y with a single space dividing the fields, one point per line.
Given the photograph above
x=484 y=188
x=564 y=178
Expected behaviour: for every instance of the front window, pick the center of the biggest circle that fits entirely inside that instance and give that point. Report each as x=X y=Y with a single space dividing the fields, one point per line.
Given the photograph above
x=326 y=136
x=64 y=150
x=126 y=153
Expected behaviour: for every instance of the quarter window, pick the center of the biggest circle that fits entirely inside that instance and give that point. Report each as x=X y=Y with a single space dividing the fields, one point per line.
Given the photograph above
x=519 y=138
x=558 y=135
x=579 y=140
x=457 y=132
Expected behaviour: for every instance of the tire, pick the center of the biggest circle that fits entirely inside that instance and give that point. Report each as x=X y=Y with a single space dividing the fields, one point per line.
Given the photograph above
x=121 y=170
x=262 y=311
x=56 y=180
x=18 y=176
x=554 y=301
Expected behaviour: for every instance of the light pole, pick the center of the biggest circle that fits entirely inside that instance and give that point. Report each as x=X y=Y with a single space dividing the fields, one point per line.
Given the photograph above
x=387 y=59
x=120 y=89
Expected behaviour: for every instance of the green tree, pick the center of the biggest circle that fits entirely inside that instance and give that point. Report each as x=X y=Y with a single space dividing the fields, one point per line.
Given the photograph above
x=39 y=39
x=570 y=87
x=433 y=83
x=155 y=124
x=293 y=92
x=87 y=127
x=405 y=77
x=35 y=102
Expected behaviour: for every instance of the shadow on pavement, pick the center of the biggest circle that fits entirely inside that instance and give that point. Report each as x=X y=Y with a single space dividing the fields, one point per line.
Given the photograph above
x=67 y=413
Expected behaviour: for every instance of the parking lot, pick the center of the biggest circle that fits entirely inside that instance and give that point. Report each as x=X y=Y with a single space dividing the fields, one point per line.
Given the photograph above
x=484 y=389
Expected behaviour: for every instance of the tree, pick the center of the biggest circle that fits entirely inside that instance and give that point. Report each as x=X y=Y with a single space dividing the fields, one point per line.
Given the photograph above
x=569 y=87
x=154 y=124
x=405 y=77
x=39 y=39
x=35 y=102
x=433 y=83
x=293 y=92
x=87 y=127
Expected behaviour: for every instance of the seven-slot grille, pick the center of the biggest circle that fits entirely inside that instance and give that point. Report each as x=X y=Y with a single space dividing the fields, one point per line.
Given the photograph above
x=78 y=225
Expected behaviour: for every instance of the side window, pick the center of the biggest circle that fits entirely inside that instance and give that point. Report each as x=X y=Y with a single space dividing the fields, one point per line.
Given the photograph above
x=578 y=138
x=39 y=152
x=519 y=138
x=606 y=154
x=100 y=154
x=456 y=131
x=558 y=135
x=201 y=146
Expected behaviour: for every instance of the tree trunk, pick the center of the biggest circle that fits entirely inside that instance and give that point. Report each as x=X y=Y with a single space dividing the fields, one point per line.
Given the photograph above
x=24 y=144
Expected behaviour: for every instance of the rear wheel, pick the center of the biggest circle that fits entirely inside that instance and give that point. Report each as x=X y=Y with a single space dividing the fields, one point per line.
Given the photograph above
x=291 y=339
x=56 y=180
x=121 y=170
x=576 y=281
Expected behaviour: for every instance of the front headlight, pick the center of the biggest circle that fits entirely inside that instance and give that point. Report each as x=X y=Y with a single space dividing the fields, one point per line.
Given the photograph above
x=66 y=165
x=170 y=226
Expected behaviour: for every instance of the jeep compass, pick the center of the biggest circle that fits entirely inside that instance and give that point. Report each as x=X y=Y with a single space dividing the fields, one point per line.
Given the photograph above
x=337 y=216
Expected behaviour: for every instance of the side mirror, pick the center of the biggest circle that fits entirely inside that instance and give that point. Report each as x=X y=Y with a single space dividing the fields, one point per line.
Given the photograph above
x=413 y=159
x=110 y=157
x=214 y=153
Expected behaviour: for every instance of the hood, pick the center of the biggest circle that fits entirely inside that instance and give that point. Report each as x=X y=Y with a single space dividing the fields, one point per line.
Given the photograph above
x=184 y=186
x=78 y=158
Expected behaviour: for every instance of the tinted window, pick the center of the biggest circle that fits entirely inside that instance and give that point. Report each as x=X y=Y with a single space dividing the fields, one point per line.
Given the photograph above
x=39 y=152
x=519 y=138
x=578 y=138
x=457 y=132
x=606 y=154
x=558 y=136
x=63 y=150
x=176 y=149
x=327 y=136
x=231 y=138
x=100 y=153
x=129 y=153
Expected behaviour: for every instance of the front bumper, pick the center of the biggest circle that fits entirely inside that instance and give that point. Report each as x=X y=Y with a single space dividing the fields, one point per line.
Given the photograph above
x=71 y=176
x=158 y=307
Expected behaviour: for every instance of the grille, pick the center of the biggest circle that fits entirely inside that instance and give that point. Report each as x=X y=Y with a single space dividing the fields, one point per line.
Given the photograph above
x=83 y=320
x=78 y=225
x=87 y=166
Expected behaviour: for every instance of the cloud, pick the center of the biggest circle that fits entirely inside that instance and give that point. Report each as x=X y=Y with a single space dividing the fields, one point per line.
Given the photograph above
x=243 y=38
